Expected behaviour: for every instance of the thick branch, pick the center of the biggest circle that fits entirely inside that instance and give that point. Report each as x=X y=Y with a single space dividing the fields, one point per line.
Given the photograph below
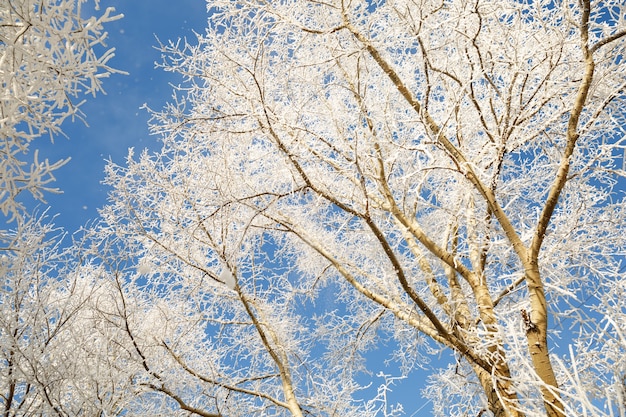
x=537 y=335
x=572 y=138
x=607 y=40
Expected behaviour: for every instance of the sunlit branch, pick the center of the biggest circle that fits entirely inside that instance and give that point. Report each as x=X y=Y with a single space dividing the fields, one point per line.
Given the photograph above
x=181 y=403
x=455 y=153
x=607 y=40
x=227 y=386
x=278 y=356
x=572 y=136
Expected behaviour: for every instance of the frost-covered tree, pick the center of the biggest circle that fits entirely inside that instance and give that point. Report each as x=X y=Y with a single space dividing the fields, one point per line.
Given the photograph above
x=50 y=362
x=444 y=174
x=51 y=55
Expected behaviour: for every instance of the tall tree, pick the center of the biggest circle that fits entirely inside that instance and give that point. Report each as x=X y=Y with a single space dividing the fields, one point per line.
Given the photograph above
x=51 y=55
x=444 y=173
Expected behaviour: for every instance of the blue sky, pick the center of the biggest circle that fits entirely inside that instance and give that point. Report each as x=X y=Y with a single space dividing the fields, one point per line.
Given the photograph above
x=115 y=120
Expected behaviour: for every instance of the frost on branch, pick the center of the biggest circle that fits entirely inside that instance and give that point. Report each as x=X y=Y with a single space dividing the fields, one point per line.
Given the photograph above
x=48 y=336
x=405 y=176
x=50 y=57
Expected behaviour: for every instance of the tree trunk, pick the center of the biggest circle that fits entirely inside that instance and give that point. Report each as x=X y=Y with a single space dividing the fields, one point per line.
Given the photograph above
x=536 y=324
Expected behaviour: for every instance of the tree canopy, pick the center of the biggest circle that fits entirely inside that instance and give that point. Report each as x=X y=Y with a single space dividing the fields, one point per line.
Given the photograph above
x=445 y=172
x=339 y=177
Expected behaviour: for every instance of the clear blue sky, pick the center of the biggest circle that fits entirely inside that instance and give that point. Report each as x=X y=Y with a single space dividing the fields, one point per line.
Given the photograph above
x=115 y=120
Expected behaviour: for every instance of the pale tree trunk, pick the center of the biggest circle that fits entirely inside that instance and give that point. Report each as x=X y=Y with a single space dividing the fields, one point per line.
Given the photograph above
x=537 y=321
x=536 y=326
x=502 y=400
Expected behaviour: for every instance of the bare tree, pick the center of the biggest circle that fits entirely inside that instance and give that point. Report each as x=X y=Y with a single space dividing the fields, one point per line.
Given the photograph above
x=445 y=173
x=50 y=57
